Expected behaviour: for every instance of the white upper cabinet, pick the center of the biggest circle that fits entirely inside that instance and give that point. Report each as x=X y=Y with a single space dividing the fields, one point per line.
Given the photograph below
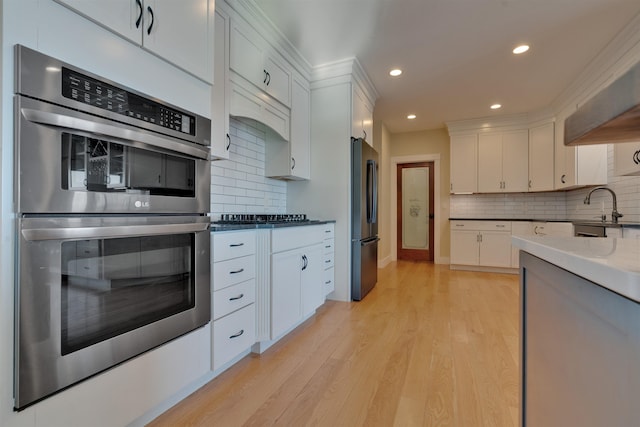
x=577 y=166
x=263 y=68
x=180 y=32
x=291 y=159
x=220 y=95
x=464 y=164
x=626 y=158
x=503 y=162
x=362 y=117
x=541 y=157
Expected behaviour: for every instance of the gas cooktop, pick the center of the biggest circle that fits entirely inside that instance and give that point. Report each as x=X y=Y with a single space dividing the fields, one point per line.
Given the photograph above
x=262 y=218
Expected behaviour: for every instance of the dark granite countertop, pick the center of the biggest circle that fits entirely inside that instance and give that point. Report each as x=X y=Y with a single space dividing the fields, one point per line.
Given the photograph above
x=620 y=224
x=262 y=226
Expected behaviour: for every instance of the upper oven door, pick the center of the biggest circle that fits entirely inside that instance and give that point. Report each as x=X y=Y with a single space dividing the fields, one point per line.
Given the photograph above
x=72 y=162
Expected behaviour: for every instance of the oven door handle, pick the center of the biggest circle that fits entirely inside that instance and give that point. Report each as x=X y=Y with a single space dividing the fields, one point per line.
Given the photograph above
x=72 y=233
x=69 y=122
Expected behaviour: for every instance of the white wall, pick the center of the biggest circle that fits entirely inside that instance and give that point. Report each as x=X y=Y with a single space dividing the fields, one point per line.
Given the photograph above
x=238 y=185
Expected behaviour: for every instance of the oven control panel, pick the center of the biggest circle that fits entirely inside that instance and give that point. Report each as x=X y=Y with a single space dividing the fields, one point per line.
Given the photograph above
x=88 y=90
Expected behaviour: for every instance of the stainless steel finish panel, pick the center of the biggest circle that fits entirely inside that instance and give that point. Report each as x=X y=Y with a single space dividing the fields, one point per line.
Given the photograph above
x=364 y=197
x=364 y=269
x=39 y=76
x=39 y=170
x=613 y=115
x=580 y=346
x=40 y=367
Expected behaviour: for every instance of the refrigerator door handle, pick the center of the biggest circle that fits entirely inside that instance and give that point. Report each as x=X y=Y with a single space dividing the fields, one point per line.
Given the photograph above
x=374 y=201
x=372 y=192
x=369 y=242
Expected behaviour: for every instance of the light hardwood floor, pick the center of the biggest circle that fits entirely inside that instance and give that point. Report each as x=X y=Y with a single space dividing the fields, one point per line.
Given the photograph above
x=427 y=347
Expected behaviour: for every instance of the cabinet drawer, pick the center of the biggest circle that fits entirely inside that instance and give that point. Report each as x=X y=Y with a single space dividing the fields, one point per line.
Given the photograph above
x=288 y=238
x=329 y=230
x=233 y=334
x=234 y=297
x=328 y=281
x=230 y=272
x=327 y=246
x=233 y=244
x=327 y=261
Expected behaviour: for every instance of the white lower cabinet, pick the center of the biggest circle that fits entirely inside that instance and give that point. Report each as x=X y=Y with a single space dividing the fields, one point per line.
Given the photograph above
x=233 y=335
x=233 y=285
x=481 y=243
x=296 y=276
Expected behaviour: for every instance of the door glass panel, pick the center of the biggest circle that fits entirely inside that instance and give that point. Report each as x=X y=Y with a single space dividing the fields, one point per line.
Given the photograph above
x=415 y=208
x=112 y=286
x=92 y=164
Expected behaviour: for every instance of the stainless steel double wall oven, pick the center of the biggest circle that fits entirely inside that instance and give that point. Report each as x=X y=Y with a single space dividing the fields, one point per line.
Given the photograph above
x=112 y=191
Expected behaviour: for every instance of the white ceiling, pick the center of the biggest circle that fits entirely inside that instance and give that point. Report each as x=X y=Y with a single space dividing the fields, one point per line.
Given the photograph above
x=456 y=54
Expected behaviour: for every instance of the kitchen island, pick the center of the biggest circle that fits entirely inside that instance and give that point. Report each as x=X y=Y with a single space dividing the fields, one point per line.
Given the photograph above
x=580 y=331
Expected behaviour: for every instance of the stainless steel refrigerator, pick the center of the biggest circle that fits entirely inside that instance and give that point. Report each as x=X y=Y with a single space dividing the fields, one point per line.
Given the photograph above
x=364 y=218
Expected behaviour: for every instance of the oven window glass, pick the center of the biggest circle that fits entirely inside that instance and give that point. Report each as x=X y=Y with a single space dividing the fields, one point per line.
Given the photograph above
x=112 y=286
x=91 y=164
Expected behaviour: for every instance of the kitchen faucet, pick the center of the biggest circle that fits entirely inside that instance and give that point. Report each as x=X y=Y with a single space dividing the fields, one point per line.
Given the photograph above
x=614 y=214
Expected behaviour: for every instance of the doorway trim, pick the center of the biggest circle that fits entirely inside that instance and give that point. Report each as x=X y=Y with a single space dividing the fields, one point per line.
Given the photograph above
x=395 y=161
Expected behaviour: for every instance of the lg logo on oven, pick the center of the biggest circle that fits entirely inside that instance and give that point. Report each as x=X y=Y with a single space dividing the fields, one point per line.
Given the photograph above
x=141 y=204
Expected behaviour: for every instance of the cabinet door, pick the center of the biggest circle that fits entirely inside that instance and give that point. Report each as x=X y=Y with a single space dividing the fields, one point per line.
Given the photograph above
x=495 y=249
x=182 y=33
x=358 y=114
x=626 y=158
x=245 y=54
x=300 y=130
x=464 y=164
x=565 y=165
x=541 y=157
x=119 y=16
x=311 y=279
x=515 y=161
x=278 y=81
x=464 y=247
x=220 y=138
x=490 y=163
x=286 y=309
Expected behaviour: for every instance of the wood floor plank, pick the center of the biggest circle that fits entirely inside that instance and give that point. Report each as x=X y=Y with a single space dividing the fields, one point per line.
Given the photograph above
x=427 y=347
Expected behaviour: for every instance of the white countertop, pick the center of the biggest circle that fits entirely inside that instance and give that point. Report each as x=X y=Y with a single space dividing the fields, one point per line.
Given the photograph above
x=612 y=263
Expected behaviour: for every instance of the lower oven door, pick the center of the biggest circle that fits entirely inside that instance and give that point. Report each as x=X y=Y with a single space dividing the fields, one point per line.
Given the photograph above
x=94 y=292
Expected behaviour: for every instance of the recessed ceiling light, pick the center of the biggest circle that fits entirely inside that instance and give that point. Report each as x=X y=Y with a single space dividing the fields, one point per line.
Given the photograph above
x=496 y=106
x=411 y=116
x=395 y=72
x=521 y=49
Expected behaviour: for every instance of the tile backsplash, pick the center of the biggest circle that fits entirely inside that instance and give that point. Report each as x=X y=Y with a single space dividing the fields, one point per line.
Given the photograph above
x=555 y=205
x=511 y=205
x=238 y=185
